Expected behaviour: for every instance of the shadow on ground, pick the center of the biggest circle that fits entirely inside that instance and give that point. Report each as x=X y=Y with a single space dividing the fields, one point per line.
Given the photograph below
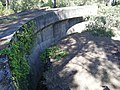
x=93 y=63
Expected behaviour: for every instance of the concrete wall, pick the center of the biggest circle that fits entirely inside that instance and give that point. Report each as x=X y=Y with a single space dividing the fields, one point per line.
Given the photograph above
x=45 y=38
x=51 y=26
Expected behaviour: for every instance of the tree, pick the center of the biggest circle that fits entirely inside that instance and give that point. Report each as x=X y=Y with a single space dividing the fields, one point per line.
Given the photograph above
x=111 y=2
x=7 y=2
x=54 y=4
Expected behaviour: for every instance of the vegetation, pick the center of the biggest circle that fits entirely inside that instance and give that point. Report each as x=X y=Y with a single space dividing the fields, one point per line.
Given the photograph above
x=18 y=51
x=20 y=47
x=107 y=20
x=12 y=6
x=98 y=27
x=111 y=15
x=53 y=52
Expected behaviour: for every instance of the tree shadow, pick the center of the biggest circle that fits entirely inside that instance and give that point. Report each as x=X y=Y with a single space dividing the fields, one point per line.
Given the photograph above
x=92 y=58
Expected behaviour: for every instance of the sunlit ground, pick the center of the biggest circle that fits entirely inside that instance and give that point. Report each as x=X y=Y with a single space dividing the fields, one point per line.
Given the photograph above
x=93 y=63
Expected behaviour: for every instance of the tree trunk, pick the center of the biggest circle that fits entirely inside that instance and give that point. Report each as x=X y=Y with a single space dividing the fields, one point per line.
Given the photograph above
x=6 y=4
x=54 y=4
x=111 y=2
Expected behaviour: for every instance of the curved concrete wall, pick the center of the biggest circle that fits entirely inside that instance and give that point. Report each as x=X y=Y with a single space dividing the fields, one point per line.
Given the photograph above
x=45 y=38
x=43 y=18
x=51 y=26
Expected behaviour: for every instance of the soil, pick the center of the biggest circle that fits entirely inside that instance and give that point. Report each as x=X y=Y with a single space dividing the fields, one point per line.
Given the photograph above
x=93 y=63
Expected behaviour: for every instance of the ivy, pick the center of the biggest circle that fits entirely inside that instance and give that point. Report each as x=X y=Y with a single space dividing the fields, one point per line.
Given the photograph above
x=18 y=52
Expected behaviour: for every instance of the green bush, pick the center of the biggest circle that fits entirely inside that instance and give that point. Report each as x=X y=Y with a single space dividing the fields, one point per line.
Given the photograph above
x=98 y=27
x=1 y=8
x=112 y=15
x=53 y=52
x=8 y=11
x=49 y=3
x=61 y=3
x=109 y=18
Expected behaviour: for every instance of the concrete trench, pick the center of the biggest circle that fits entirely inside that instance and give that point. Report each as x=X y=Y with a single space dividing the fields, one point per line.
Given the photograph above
x=51 y=26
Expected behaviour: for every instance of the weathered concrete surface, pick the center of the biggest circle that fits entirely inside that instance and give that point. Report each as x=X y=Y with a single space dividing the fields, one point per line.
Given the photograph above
x=5 y=74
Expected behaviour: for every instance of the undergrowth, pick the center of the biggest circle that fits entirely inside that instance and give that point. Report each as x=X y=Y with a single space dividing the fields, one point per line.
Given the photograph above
x=107 y=20
x=53 y=52
x=98 y=28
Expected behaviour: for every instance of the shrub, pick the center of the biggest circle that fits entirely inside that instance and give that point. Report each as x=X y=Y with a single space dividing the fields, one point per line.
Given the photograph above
x=8 y=11
x=49 y=3
x=1 y=8
x=98 y=27
x=61 y=3
x=112 y=15
x=53 y=52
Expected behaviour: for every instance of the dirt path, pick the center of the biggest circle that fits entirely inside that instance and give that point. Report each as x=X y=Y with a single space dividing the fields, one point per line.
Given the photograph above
x=93 y=63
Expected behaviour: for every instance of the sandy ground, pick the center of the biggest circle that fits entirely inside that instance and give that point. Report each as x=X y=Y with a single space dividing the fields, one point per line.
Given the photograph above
x=93 y=63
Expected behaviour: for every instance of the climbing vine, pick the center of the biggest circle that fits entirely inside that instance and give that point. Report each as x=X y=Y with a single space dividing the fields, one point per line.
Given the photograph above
x=18 y=51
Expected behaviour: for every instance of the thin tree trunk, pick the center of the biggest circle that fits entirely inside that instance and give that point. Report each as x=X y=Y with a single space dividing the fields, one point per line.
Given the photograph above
x=54 y=4
x=6 y=4
x=111 y=2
